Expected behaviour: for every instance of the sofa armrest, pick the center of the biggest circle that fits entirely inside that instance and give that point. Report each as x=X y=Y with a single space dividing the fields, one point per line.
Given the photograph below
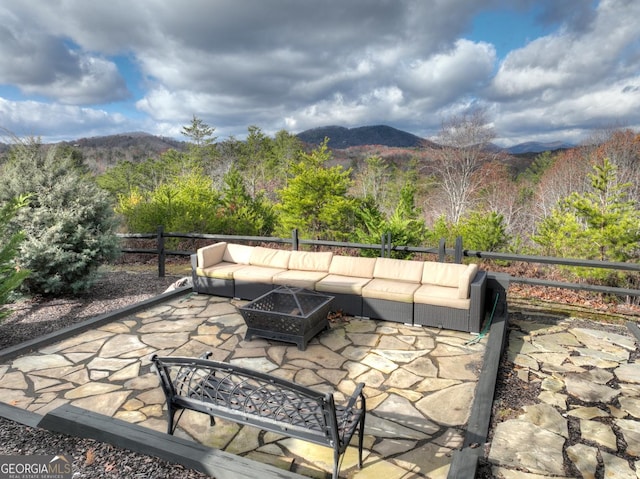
x=477 y=292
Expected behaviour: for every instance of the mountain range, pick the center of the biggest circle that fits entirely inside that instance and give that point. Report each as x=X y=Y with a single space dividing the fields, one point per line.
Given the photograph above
x=139 y=145
x=341 y=138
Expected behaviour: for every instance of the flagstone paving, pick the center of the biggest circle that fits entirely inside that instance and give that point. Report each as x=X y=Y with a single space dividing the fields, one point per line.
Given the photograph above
x=420 y=383
x=589 y=381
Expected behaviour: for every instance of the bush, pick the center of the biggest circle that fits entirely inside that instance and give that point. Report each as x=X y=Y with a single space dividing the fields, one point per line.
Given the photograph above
x=11 y=274
x=68 y=221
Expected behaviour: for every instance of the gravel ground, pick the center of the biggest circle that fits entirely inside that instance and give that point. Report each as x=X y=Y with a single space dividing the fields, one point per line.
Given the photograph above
x=91 y=459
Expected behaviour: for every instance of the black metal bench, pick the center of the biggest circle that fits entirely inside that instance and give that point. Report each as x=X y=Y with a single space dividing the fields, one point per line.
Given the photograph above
x=261 y=400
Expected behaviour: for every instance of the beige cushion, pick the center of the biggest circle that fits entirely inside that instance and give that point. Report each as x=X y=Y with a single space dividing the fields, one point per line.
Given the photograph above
x=257 y=274
x=238 y=253
x=299 y=278
x=391 y=289
x=466 y=278
x=310 y=260
x=272 y=258
x=335 y=283
x=211 y=254
x=352 y=266
x=400 y=269
x=442 y=274
x=440 y=296
x=221 y=270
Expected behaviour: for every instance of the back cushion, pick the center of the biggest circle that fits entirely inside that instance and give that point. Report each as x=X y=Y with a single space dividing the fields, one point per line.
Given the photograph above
x=465 y=280
x=443 y=274
x=238 y=253
x=398 y=269
x=273 y=258
x=310 y=260
x=352 y=266
x=211 y=254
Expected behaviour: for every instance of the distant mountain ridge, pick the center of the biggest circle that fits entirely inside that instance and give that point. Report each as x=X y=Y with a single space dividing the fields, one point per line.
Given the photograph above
x=138 y=146
x=537 y=147
x=341 y=137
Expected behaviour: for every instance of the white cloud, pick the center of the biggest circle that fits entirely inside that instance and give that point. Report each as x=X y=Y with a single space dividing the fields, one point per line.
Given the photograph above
x=295 y=64
x=60 y=122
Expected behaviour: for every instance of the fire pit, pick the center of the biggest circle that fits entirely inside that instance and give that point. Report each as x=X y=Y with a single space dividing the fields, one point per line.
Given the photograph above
x=288 y=314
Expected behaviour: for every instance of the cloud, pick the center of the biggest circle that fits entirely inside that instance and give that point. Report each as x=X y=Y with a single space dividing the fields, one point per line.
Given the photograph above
x=39 y=63
x=294 y=64
x=61 y=122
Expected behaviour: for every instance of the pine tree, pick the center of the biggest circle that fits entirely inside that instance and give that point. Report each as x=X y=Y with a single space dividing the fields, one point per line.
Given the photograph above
x=601 y=223
x=315 y=200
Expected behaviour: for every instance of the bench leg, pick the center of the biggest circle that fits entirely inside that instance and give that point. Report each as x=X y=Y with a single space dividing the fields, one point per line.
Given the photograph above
x=336 y=463
x=360 y=440
x=172 y=422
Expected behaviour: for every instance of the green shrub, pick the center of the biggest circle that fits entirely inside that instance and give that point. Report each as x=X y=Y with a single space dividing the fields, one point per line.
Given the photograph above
x=11 y=274
x=68 y=221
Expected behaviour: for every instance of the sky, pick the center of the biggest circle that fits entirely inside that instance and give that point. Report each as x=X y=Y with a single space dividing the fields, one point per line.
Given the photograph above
x=542 y=70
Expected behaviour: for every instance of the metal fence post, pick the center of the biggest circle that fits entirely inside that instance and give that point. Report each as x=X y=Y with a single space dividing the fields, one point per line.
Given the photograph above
x=295 y=241
x=161 y=251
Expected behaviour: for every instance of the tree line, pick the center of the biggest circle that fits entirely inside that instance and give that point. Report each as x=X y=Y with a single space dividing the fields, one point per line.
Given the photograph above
x=579 y=203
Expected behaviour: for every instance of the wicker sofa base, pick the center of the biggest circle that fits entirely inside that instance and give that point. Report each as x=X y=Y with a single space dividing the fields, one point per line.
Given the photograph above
x=250 y=290
x=349 y=304
x=387 y=310
x=213 y=286
x=441 y=317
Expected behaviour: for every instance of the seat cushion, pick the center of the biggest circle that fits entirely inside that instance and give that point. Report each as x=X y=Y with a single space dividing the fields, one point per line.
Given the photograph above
x=335 y=283
x=300 y=279
x=440 y=296
x=393 y=290
x=221 y=270
x=256 y=274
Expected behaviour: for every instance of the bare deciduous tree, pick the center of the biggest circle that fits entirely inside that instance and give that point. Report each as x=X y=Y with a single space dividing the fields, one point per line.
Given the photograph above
x=465 y=145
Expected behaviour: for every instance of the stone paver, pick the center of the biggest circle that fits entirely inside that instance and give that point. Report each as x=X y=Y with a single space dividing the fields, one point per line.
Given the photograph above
x=588 y=383
x=420 y=383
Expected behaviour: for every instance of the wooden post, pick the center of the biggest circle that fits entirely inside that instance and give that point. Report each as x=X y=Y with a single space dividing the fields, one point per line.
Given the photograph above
x=458 y=257
x=442 y=253
x=161 y=251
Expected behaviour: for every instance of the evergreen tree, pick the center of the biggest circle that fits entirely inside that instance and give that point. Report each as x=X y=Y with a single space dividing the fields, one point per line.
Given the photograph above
x=315 y=200
x=68 y=222
x=601 y=223
x=403 y=225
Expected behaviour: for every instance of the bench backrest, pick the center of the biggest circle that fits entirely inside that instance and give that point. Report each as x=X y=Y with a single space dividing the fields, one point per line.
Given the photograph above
x=248 y=397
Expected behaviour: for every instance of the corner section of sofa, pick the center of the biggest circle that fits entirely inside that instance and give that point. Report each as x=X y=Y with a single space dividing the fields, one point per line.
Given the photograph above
x=460 y=319
x=205 y=285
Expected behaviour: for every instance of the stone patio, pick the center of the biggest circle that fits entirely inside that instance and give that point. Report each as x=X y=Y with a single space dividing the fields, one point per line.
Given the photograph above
x=420 y=383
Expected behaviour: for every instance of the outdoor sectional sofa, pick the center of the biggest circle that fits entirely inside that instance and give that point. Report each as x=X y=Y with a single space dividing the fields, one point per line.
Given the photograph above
x=428 y=293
